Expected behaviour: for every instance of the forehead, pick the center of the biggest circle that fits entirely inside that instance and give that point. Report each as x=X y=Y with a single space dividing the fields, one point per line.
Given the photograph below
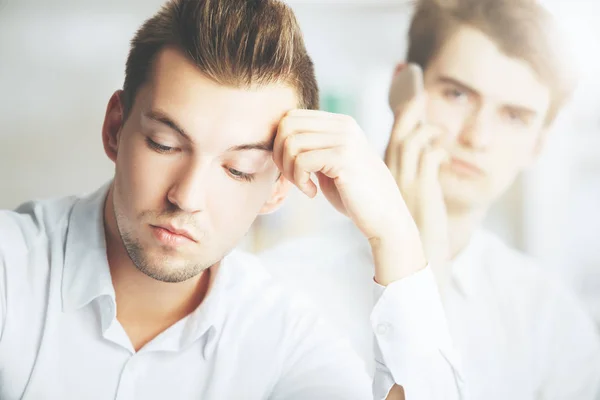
x=208 y=110
x=475 y=60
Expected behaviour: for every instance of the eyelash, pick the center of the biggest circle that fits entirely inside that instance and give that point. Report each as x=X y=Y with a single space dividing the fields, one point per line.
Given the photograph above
x=239 y=175
x=159 y=147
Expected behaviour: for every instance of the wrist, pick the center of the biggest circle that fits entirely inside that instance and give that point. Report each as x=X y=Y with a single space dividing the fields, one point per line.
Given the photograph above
x=397 y=255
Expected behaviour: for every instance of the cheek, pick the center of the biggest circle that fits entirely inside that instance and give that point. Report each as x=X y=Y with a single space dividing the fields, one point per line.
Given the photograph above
x=509 y=156
x=233 y=203
x=444 y=115
x=141 y=175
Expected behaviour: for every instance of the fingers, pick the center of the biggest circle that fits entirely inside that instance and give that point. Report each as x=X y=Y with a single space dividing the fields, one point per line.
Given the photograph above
x=303 y=139
x=431 y=162
x=407 y=118
x=296 y=144
x=428 y=188
x=410 y=152
x=309 y=121
x=313 y=161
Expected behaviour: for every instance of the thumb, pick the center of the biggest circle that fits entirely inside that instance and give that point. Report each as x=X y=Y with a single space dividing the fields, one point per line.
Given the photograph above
x=407 y=117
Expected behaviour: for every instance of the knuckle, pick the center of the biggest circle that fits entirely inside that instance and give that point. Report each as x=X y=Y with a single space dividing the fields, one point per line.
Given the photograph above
x=300 y=160
x=350 y=123
x=285 y=125
x=409 y=146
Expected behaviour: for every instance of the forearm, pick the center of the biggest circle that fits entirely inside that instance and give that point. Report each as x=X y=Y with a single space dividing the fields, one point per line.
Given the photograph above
x=397 y=254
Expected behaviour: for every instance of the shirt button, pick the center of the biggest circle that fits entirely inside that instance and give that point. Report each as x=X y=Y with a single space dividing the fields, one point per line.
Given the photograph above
x=383 y=328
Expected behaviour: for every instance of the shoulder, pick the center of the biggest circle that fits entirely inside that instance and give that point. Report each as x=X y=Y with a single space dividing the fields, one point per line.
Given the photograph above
x=503 y=260
x=26 y=236
x=31 y=225
x=528 y=283
x=511 y=266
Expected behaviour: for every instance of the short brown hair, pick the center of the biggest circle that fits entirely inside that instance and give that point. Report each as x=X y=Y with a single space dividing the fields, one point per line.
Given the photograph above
x=238 y=43
x=522 y=29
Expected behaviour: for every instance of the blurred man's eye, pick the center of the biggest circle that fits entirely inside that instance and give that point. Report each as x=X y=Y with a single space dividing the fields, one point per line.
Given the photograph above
x=455 y=94
x=159 y=147
x=516 y=117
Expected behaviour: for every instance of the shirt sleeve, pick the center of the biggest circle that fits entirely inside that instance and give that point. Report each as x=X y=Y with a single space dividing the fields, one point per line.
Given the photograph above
x=567 y=346
x=413 y=350
x=412 y=341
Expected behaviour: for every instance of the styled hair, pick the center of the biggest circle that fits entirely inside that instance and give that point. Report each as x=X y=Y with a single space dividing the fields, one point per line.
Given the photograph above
x=236 y=43
x=522 y=29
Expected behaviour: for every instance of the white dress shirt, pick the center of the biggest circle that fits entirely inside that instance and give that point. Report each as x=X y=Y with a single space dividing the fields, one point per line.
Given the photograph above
x=249 y=339
x=519 y=333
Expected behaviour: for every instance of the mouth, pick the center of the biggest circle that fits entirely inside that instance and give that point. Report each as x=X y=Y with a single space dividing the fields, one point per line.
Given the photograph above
x=172 y=236
x=465 y=168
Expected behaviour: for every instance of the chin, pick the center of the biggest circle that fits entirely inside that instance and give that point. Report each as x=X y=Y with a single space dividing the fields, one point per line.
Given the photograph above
x=172 y=272
x=461 y=194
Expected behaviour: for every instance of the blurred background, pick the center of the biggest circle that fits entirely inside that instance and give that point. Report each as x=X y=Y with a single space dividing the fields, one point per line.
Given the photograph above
x=61 y=60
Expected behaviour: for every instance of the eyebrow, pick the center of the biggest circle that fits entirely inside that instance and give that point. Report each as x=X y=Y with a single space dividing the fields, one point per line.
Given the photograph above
x=262 y=146
x=467 y=88
x=163 y=118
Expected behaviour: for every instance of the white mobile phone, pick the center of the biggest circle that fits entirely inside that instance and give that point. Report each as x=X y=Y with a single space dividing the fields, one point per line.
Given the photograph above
x=406 y=84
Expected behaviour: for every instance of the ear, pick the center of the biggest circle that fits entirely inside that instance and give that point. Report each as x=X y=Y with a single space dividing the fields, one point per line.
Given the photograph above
x=538 y=147
x=278 y=196
x=113 y=122
x=399 y=67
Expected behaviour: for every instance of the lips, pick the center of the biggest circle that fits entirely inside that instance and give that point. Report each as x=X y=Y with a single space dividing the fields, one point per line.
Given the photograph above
x=171 y=235
x=465 y=168
x=180 y=232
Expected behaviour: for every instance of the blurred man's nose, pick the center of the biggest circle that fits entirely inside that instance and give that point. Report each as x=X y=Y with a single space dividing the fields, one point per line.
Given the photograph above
x=476 y=131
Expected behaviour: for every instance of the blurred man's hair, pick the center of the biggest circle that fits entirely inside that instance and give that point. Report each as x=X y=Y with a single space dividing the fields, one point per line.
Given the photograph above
x=522 y=29
x=236 y=43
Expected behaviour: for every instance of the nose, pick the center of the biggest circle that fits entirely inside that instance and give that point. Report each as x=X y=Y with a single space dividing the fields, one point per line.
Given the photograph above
x=476 y=132
x=189 y=190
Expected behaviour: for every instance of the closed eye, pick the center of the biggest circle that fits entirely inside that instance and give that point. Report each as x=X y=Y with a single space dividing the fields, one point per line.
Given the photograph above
x=239 y=175
x=159 y=147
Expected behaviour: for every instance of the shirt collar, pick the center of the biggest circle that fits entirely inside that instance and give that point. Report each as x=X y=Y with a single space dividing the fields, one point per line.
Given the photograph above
x=466 y=266
x=86 y=274
x=209 y=318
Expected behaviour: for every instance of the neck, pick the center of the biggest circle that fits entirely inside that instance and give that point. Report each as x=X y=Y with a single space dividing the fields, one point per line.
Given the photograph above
x=141 y=297
x=462 y=224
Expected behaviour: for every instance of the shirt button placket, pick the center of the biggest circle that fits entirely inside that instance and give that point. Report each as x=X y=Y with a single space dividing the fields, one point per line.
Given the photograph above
x=126 y=389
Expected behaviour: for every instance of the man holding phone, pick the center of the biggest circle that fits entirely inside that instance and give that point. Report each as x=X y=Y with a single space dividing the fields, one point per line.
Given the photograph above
x=484 y=81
